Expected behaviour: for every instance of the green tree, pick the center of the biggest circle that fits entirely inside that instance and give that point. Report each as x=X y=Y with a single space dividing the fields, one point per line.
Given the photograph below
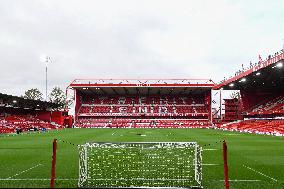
x=58 y=96
x=33 y=94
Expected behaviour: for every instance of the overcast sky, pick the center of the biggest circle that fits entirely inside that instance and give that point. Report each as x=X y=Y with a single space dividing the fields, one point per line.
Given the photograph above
x=132 y=39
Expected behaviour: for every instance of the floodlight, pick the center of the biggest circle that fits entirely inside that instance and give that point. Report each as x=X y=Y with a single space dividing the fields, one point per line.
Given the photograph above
x=232 y=84
x=243 y=80
x=14 y=101
x=43 y=58
x=258 y=73
x=279 y=65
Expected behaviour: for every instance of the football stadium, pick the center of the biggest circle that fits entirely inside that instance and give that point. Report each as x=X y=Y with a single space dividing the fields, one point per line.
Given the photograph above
x=150 y=133
x=136 y=132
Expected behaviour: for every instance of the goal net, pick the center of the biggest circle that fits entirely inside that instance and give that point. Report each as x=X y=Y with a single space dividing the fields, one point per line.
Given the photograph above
x=140 y=164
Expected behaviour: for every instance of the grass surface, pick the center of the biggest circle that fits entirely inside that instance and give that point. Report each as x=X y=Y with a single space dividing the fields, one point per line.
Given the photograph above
x=255 y=161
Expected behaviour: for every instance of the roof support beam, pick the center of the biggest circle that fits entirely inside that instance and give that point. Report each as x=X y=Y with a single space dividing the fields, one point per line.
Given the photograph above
x=171 y=91
x=105 y=93
x=126 y=91
x=137 y=91
x=114 y=90
x=159 y=91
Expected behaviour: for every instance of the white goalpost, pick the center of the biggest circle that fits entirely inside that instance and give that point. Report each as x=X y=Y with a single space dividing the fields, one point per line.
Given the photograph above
x=140 y=164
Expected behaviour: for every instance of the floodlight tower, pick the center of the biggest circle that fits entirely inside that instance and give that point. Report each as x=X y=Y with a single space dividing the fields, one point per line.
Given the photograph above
x=47 y=60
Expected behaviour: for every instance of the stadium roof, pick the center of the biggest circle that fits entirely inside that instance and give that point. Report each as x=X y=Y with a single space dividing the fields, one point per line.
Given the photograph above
x=142 y=86
x=9 y=101
x=267 y=75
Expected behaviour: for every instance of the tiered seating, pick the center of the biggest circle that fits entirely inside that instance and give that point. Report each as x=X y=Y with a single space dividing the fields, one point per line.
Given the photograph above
x=143 y=112
x=153 y=100
x=143 y=105
x=4 y=127
x=23 y=122
x=271 y=106
x=142 y=123
x=269 y=127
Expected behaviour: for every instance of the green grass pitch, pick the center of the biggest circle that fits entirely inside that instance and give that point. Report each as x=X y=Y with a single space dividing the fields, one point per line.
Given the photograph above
x=255 y=161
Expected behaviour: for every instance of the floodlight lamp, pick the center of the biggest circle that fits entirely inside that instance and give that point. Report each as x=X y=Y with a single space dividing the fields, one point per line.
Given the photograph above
x=43 y=58
x=14 y=101
x=232 y=84
x=258 y=73
x=243 y=80
x=279 y=65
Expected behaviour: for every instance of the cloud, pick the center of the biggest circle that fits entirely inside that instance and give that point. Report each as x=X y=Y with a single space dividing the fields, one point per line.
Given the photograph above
x=129 y=39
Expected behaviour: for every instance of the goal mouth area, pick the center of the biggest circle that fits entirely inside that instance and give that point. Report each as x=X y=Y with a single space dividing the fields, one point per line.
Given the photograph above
x=140 y=165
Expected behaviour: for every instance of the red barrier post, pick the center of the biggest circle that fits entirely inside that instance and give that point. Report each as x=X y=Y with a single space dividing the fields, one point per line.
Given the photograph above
x=53 y=165
x=225 y=158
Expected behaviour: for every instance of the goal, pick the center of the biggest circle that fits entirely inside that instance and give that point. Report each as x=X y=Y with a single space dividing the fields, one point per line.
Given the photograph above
x=140 y=164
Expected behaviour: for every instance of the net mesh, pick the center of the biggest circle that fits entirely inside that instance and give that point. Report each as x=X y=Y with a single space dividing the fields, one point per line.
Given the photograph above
x=155 y=164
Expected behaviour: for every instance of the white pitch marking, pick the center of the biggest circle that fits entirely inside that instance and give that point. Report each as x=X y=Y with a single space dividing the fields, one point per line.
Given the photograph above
x=210 y=164
x=25 y=171
x=210 y=149
x=113 y=133
x=236 y=180
x=260 y=173
x=41 y=179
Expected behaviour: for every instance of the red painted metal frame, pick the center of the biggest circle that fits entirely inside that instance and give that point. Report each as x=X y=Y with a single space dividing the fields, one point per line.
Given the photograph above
x=251 y=70
x=225 y=158
x=53 y=165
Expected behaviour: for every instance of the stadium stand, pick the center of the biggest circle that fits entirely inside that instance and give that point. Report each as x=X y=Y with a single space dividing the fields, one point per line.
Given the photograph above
x=132 y=104
x=261 y=100
x=154 y=106
x=24 y=123
x=266 y=126
x=140 y=105
x=269 y=106
x=19 y=114
x=124 y=103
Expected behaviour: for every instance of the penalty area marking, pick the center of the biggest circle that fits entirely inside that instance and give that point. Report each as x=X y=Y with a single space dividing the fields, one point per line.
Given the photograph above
x=24 y=171
x=260 y=173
